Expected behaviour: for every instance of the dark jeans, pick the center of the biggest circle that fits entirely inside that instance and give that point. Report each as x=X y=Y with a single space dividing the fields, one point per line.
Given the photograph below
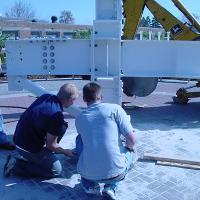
x=41 y=164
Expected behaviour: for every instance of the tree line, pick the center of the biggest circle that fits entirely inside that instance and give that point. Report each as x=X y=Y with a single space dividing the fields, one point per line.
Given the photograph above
x=149 y=22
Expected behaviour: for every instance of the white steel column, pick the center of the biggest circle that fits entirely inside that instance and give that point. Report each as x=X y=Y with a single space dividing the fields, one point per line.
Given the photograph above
x=107 y=48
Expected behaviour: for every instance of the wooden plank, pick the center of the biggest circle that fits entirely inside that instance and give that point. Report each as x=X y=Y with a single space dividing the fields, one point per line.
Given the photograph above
x=129 y=105
x=172 y=164
x=157 y=157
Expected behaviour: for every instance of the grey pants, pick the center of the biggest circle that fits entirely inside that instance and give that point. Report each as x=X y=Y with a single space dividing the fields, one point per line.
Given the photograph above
x=41 y=164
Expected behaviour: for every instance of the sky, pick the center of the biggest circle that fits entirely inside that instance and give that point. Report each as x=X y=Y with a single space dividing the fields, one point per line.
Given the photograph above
x=84 y=10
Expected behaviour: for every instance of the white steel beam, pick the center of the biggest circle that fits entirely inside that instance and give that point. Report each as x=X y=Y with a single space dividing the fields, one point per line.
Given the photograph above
x=42 y=57
x=161 y=59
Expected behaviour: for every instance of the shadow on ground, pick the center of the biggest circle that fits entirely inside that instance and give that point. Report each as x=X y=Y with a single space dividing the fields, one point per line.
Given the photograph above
x=172 y=116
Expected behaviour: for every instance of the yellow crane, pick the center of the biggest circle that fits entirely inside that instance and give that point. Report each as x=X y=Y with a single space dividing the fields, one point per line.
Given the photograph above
x=133 y=10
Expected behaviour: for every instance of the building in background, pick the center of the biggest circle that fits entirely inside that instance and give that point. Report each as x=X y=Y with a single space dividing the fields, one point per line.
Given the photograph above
x=21 y=29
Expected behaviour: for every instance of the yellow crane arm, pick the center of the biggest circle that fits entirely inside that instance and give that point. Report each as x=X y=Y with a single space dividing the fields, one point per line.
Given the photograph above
x=189 y=16
x=133 y=10
x=178 y=30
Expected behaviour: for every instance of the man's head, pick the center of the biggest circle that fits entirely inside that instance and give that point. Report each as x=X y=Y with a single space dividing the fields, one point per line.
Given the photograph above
x=67 y=94
x=92 y=93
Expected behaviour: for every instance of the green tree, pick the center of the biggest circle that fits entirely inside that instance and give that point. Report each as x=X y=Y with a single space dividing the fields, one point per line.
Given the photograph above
x=2 y=55
x=54 y=19
x=145 y=22
x=148 y=21
x=1 y=40
x=155 y=23
x=2 y=45
x=142 y=22
x=82 y=34
x=145 y=35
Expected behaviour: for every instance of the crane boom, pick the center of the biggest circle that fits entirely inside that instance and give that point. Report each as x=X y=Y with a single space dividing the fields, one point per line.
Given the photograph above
x=189 y=16
x=133 y=10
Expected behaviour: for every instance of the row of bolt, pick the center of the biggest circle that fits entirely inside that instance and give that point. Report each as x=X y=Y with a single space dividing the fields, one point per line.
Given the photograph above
x=45 y=54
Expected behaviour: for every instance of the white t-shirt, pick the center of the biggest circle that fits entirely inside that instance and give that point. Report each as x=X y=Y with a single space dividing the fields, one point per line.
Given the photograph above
x=100 y=126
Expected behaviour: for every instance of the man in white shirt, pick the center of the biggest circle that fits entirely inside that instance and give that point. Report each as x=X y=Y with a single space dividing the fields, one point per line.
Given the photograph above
x=103 y=158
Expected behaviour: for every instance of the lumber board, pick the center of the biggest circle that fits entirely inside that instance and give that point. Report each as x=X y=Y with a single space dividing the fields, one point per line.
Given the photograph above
x=129 y=105
x=172 y=164
x=158 y=157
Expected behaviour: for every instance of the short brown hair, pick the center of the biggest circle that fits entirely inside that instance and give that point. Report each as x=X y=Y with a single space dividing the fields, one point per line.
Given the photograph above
x=91 y=92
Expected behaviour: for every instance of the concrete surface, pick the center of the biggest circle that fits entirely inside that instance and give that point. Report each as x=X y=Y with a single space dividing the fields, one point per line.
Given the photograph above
x=161 y=127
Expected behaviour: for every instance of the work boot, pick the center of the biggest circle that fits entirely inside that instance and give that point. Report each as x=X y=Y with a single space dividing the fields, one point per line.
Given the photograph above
x=15 y=165
x=93 y=190
x=9 y=165
x=109 y=194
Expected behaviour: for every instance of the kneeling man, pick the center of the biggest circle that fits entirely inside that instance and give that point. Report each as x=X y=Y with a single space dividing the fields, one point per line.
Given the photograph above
x=38 y=133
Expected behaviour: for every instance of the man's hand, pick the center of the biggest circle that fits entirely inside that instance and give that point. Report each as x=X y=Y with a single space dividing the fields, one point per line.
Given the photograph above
x=130 y=141
x=52 y=145
x=70 y=153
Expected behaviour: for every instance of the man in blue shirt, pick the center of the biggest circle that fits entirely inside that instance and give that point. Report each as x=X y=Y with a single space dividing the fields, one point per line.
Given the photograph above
x=38 y=133
x=103 y=157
